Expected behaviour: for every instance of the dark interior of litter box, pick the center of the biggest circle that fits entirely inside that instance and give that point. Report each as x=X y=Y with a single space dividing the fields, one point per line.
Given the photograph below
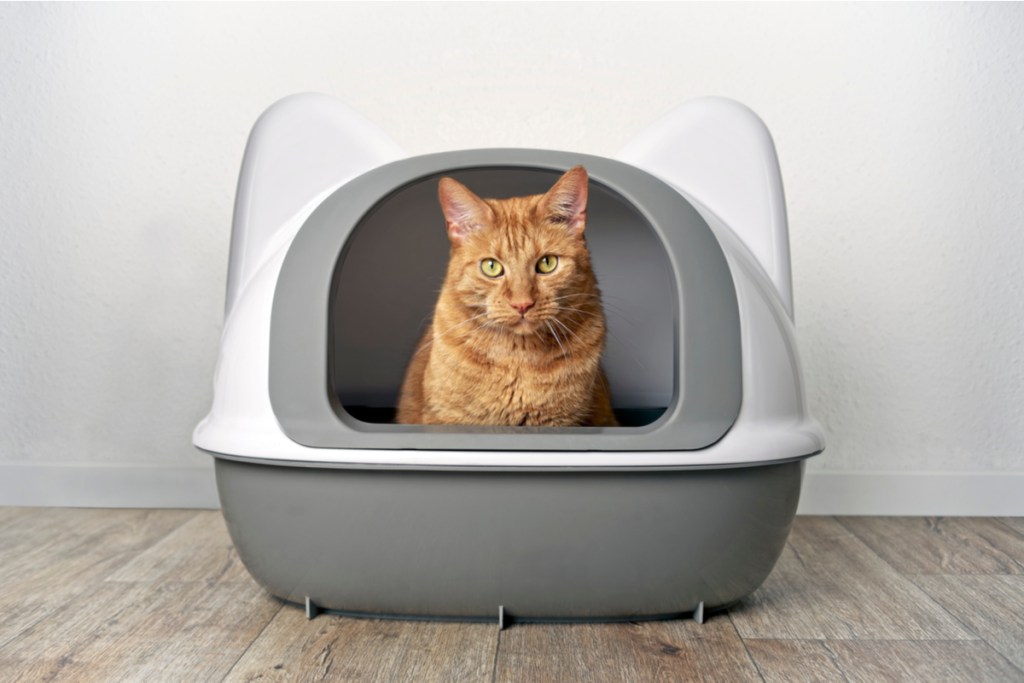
x=387 y=281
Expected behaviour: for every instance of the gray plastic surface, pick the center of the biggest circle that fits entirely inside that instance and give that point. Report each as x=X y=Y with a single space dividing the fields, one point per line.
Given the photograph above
x=574 y=545
x=688 y=340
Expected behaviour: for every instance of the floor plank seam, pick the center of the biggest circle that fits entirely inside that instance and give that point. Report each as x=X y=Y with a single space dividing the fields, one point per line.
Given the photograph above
x=1006 y=659
x=746 y=648
x=910 y=578
x=55 y=610
x=106 y=577
x=252 y=642
x=955 y=617
x=1013 y=530
x=851 y=532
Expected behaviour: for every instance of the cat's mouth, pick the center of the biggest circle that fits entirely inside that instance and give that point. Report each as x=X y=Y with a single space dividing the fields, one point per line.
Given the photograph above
x=523 y=325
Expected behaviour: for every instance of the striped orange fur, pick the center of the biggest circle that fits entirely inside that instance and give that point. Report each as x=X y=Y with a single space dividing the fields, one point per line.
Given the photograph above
x=521 y=347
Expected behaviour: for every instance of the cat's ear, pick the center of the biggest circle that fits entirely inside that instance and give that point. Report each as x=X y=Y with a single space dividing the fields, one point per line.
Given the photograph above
x=464 y=212
x=566 y=202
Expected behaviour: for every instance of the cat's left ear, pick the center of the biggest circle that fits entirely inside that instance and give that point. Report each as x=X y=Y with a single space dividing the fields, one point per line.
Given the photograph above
x=566 y=202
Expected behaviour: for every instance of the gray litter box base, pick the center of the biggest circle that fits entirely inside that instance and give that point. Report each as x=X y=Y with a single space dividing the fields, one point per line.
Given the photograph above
x=578 y=545
x=504 y=619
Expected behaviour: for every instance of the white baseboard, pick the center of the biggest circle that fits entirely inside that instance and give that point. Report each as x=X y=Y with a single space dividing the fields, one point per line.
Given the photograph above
x=94 y=485
x=953 y=494
x=824 y=492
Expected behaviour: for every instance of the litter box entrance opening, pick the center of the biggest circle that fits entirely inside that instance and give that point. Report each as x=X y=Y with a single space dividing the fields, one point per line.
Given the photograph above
x=387 y=280
x=361 y=276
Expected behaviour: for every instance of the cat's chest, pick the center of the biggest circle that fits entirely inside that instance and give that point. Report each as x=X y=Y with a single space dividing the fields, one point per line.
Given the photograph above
x=524 y=396
x=511 y=391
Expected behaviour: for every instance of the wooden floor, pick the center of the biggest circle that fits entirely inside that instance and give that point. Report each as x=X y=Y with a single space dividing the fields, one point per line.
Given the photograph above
x=159 y=595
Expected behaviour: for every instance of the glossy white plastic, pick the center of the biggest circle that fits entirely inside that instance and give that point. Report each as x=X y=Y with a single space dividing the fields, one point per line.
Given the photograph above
x=715 y=152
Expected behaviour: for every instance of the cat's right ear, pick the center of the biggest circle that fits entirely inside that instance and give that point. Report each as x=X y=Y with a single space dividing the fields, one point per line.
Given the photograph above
x=464 y=212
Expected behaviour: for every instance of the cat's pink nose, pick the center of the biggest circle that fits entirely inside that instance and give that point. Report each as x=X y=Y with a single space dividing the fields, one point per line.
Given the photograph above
x=521 y=306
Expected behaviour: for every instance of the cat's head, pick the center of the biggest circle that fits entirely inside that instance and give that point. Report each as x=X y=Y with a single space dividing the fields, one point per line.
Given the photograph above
x=520 y=264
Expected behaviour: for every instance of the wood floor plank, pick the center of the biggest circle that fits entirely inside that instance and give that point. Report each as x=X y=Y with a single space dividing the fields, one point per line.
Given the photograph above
x=829 y=585
x=329 y=647
x=133 y=595
x=57 y=544
x=26 y=539
x=13 y=515
x=807 y=661
x=679 y=650
x=942 y=545
x=1015 y=523
x=60 y=553
x=991 y=606
x=142 y=632
x=38 y=670
x=199 y=550
x=949 y=661
x=30 y=540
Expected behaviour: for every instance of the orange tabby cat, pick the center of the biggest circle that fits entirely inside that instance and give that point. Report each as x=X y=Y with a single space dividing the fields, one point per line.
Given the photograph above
x=518 y=329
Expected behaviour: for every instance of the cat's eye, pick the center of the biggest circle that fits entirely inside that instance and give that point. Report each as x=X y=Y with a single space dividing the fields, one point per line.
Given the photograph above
x=547 y=264
x=491 y=268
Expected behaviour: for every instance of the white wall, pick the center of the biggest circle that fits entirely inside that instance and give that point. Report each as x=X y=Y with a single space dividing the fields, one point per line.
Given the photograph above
x=900 y=130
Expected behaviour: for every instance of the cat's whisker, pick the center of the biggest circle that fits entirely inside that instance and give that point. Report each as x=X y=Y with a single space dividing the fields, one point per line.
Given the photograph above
x=557 y=339
x=438 y=335
x=579 y=310
x=635 y=358
x=619 y=311
x=578 y=316
x=567 y=344
x=612 y=336
x=575 y=295
x=630 y=352
x=606 y=301
x=610 y=307
x=604 y=304
x=539 y=338
x=567 y=329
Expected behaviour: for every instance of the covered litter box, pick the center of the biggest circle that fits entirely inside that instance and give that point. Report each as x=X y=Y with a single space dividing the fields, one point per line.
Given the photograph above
x=683 y=508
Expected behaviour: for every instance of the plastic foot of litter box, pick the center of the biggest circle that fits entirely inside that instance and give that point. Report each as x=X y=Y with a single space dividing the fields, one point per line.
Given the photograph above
x=698 y=614
x=501 y=617
x=311 y=609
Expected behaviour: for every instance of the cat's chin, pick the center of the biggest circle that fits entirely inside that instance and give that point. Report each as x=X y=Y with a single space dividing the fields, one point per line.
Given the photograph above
x=522 y=327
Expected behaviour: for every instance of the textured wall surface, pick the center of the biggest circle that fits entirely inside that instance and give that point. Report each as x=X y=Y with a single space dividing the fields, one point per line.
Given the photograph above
x=899 y=128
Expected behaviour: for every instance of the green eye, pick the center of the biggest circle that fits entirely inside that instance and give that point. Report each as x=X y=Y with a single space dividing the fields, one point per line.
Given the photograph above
x=547 y=264
x=491 y=268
